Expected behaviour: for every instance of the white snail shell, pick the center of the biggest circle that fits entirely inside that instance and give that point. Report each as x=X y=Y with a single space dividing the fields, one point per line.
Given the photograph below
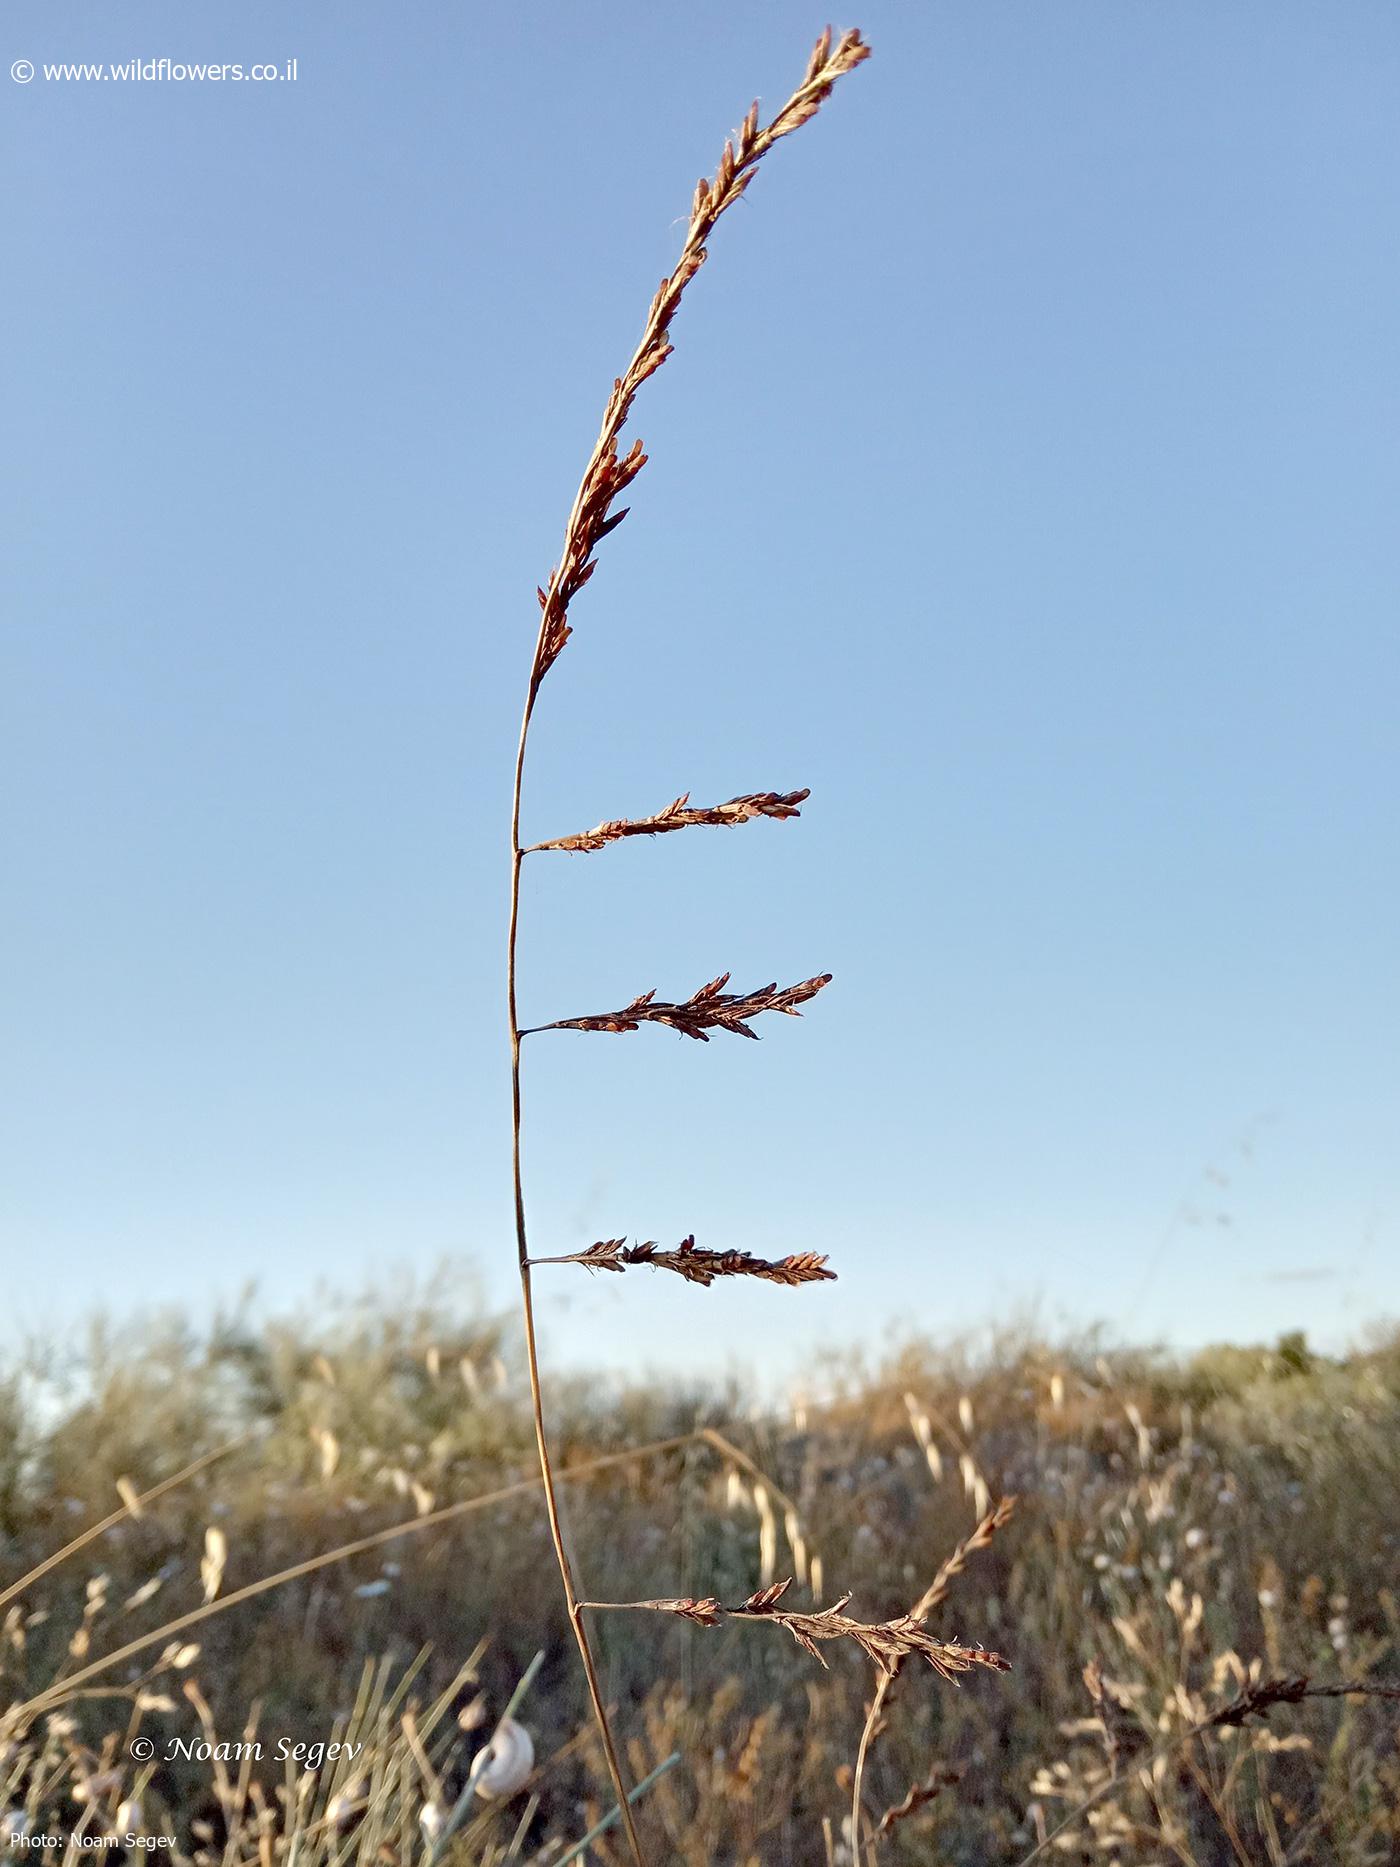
x=507 y=1761
x=431 y=1819
x=128 y=1821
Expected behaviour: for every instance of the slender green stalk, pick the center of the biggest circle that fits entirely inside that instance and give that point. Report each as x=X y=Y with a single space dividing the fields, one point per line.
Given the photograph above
x=601 y=1828
x=468 y=1796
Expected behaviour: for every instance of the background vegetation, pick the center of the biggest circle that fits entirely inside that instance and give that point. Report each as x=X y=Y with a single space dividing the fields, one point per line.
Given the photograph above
x=1190 y=1525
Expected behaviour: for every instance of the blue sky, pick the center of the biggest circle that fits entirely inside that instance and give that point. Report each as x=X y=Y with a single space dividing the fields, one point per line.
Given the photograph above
x=1024 y=482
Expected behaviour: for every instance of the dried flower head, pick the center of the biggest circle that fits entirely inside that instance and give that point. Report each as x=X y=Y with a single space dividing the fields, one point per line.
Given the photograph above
x=595 y=513
x=1258 y=1701
x=709 y=1009
x=919 y=1797
x=699 y=1266
x=936 y=1592
x=1121 y=1733
x=606 y=475
x=887 y=1643
x=682 y=815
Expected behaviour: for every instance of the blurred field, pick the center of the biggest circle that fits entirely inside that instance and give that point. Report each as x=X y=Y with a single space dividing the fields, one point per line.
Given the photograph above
x=1187 y=1525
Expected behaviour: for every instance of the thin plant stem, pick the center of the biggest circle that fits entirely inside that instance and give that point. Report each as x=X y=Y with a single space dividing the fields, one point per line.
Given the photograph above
x=867 y=1736
x=95 y=1530
x=932 y=1596
x=527 y=1305
x=64 y=1689
x=601 y=1828
x=604 y=477
x=1342 y=1688
x=727 y=1449
x=468 y=1795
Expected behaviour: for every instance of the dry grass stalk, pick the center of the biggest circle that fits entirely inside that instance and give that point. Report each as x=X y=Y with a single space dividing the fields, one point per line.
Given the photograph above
x=607 y=475
x=682 y=815
x=591 y=518
x=932 y=1597
x=18 y=1718
x=709 y=1009
x=698 y=1266
x=887 y=1643
x=1255 y=1701
x=133 y=1504
x=936 y=1593
x=1258 y=1701
x=807 y=1563
x=919 y=1797
x=1121 y=1732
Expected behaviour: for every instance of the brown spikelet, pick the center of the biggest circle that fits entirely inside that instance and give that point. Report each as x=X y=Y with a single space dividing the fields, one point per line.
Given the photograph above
x=919 y=1797
x=933 y=1596
x=709 y=1009
x=681 y=815
x=936 y=1592
x=606 y=475
x=886 y=1643
x=704 y=1610
x=1258 y=1700
x=698 y=1266
x=1121 y=1733
x=597 y=510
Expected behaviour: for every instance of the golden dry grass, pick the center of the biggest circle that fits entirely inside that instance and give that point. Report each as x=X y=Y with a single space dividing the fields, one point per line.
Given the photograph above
x=1190 y=1541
